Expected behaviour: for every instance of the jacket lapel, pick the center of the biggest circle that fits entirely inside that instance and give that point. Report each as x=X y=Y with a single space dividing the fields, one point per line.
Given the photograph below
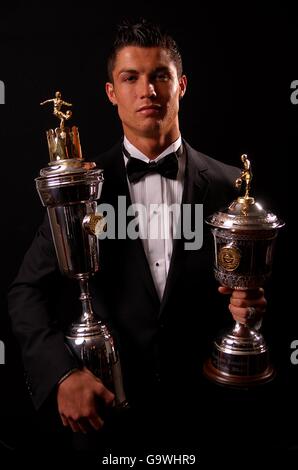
x=195 y=190
x=116 y=185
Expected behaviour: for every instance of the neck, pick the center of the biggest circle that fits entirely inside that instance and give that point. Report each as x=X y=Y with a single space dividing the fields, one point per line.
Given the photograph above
x=152 y=146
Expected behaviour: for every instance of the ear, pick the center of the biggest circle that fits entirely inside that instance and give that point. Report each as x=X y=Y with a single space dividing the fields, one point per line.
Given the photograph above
x=182 y=86
x=111 y=93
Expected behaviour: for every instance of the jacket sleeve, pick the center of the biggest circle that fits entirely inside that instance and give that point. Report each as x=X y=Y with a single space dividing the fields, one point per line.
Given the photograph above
x=46 y=357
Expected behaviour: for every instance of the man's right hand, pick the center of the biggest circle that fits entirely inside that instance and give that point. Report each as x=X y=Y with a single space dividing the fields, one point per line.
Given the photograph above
x=78 y=397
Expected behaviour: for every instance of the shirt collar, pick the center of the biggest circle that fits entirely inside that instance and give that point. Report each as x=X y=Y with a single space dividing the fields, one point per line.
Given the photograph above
x=136 y=153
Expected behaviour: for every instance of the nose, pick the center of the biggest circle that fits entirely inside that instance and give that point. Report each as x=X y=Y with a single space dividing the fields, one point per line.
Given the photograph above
x=147 y=89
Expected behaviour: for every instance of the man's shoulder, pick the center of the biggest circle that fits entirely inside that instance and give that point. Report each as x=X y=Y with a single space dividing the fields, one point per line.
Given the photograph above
x=108 y=157
x=214 y=169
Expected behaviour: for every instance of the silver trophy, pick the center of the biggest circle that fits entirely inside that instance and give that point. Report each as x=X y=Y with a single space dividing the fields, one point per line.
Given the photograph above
x=244 y=236
x=69 y=188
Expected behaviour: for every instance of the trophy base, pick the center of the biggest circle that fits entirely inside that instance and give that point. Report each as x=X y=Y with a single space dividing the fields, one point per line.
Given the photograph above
x=239 y=359
x=237 y=381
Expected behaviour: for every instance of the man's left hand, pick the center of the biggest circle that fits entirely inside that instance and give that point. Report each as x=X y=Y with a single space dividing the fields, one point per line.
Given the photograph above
x=244 y=302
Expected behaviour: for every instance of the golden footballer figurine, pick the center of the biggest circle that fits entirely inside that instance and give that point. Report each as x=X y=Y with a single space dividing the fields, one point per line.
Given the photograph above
x=58 y=103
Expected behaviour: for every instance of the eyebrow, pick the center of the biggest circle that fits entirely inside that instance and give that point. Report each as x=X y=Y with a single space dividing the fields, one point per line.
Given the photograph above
x=158 y=69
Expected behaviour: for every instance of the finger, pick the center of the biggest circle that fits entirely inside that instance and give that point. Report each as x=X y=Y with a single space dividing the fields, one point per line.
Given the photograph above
x=96 y=422
x=245 y=303
x=64 y=420
x=79 y=425
x=242 y=315
x=248 y=293
x=73 y=424
x=225 y=290
x=239 y=315
x=83 y=426
x=239 y=320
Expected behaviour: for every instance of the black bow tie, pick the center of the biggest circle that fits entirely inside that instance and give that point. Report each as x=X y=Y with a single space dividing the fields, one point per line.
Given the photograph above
x=167 y=167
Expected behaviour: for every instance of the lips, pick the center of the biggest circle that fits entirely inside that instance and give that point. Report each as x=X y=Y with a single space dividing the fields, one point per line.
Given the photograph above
x=149 y=110
x=155 y=107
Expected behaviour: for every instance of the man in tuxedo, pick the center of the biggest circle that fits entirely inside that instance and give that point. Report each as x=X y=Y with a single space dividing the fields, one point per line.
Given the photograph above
x=160 y=298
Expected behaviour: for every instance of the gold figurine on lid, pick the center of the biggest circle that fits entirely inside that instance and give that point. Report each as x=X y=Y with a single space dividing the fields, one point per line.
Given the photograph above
x=58 y=103
x=246 y=176
x=63 y=142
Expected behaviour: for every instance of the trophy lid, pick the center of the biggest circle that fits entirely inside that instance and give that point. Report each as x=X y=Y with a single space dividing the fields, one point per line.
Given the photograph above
x=68 y=178
x=245 y=213
x=64 y=144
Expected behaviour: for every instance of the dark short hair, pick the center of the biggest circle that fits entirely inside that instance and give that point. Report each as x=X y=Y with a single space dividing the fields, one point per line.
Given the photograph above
x=143 y=34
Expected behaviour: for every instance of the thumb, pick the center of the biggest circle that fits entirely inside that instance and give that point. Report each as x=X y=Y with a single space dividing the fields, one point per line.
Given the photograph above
x=100 y=390
x=105 y=394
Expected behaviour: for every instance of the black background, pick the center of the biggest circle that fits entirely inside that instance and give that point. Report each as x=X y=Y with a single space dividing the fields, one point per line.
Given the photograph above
x=240 y=63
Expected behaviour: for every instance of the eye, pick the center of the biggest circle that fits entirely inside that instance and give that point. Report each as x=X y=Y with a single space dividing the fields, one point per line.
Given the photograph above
x=129 y=78
x=162 y=76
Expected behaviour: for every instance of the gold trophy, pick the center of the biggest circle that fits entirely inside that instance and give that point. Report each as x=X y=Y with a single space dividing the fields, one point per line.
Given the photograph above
x=69 y=188
x=244 y=236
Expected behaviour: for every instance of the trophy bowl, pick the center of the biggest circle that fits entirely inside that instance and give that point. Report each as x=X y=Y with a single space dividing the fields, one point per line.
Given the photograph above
x=244 y=237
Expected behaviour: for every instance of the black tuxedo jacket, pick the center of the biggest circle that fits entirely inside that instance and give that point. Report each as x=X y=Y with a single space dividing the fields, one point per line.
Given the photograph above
x=162 y=344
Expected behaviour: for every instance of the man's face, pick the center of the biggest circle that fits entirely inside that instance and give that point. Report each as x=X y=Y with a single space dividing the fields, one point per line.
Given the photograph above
x=146 y=90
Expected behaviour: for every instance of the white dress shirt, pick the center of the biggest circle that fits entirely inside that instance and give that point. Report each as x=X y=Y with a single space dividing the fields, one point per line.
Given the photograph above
x=161 y=198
